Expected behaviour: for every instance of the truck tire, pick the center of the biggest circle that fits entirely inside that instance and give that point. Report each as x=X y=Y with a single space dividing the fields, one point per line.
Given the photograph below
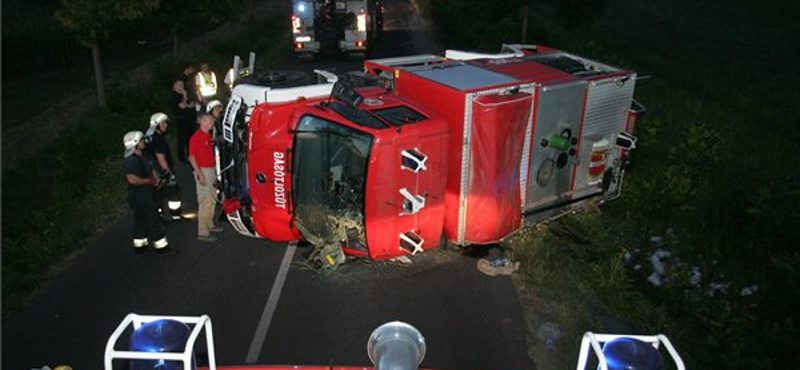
x=278 y=79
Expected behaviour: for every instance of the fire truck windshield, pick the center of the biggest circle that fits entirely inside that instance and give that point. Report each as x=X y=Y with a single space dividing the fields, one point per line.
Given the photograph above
x=328 y=179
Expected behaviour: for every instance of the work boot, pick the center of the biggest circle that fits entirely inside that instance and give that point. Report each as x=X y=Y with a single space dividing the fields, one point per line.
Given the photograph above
x=215 y=229
x=207 y=238
x=140 y=245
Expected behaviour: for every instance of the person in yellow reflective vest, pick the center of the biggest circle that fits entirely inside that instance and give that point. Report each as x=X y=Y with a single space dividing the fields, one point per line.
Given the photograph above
x=229 y=79
x=206 y=82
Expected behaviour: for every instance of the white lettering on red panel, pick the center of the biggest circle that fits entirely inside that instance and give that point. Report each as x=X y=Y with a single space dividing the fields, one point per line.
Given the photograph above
x=278 y=171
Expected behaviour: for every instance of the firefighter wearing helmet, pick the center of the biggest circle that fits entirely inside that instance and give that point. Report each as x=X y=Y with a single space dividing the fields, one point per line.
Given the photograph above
x=214 y=108
x=168 y=196
x=206 y=82
x=141 y=178
x=210 y=108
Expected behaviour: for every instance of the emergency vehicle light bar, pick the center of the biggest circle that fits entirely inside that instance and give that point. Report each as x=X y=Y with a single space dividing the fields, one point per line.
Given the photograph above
x=136 y=321
x=593 y=341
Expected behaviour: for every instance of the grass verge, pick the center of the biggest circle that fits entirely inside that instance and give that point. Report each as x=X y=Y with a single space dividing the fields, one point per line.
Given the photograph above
x=56 y=200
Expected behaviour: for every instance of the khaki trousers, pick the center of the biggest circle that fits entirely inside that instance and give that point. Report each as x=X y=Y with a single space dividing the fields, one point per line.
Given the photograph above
x=206 y=201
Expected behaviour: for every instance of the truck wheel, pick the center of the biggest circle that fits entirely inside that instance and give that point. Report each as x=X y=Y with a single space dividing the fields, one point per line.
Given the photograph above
x=278 y=79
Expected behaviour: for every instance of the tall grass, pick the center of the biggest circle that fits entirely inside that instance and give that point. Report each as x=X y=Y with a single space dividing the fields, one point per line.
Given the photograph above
x=715 y=182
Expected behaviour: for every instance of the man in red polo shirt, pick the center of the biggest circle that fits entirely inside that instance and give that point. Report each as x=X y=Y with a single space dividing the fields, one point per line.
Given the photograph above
x=201 y=157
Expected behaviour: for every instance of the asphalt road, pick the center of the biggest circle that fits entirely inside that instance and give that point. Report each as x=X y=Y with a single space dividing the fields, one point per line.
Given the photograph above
x=470 y=320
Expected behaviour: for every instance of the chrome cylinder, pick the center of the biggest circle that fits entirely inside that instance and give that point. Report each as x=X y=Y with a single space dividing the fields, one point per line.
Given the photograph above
x=396 y=346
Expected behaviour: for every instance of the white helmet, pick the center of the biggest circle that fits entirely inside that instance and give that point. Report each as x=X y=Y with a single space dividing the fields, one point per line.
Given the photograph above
x=131 y=140
x=156 y=119
x=213 y=104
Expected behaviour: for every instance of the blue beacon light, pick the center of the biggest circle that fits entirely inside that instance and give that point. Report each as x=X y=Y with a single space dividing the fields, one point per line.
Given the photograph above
x=632 y=354
x=159 y=336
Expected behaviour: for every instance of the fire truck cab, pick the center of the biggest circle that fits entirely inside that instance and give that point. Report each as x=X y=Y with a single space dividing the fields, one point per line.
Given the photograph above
x=318 y=162
x=424 y=149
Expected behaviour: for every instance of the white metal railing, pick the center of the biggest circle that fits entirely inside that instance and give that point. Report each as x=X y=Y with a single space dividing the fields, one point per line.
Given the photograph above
x=469 y=55
x=136 y=321
x=594 y=341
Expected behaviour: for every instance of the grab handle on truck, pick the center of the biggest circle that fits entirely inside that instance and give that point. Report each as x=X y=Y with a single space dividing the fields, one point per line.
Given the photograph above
x=637 y=108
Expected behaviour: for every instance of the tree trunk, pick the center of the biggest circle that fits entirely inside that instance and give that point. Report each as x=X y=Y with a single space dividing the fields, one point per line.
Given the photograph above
x=525 y=23
x=175 y=45
x=98 y=76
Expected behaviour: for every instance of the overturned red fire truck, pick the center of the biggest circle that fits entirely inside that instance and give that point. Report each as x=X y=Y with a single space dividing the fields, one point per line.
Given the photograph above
x=422 y=150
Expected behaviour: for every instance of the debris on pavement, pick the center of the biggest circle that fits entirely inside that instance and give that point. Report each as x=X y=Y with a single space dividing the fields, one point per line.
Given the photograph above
x=549 y=334
x=329 y=234
x=330 y=257
x=500 y=266
x=403 y=260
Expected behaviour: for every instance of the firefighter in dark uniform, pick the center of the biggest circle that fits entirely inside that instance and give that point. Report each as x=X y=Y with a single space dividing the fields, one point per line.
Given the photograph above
x=168 y=196
x=184 y=111
x=147 y=228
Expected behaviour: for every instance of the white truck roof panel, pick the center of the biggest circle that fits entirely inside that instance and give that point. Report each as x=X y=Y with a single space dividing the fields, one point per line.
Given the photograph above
x=464 y=76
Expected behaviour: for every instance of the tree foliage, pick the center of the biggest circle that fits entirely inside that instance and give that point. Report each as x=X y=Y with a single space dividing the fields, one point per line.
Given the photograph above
x=183 y=13
x=91 y=20
x=186 y=16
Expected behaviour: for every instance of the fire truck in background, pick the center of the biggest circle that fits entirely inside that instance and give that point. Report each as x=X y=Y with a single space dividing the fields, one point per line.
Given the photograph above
x=423 y=150
x=331 y=26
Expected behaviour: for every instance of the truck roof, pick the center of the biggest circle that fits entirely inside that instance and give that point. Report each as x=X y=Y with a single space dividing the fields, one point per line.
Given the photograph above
x=462 y=76
x=525 y=70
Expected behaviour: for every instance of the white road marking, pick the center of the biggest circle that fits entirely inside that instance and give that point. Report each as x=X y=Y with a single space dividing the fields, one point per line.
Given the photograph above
x=269 y=309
